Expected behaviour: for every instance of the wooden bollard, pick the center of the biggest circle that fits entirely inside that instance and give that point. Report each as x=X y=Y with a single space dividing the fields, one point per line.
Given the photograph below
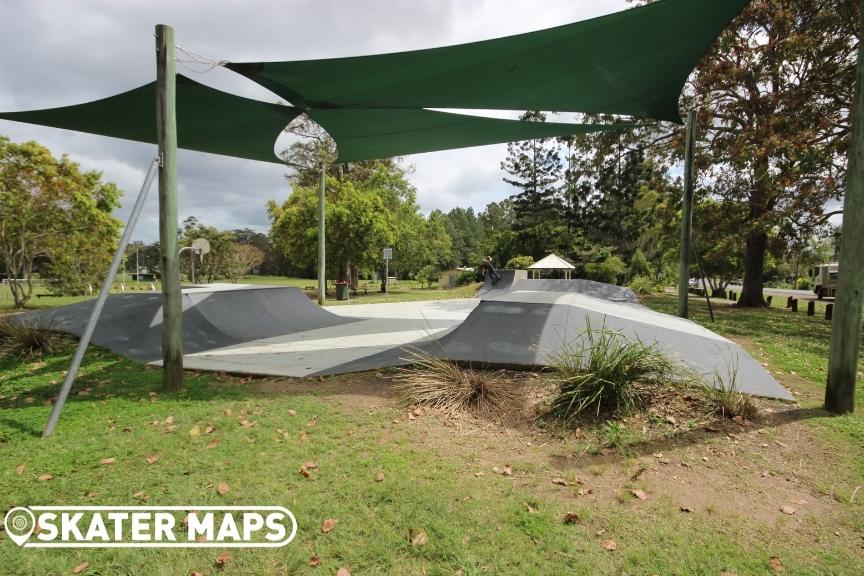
x=794 y=305
x=829 y=311
x=733 y=296
x=811 y=308
x=768 y=300
x=789 y=301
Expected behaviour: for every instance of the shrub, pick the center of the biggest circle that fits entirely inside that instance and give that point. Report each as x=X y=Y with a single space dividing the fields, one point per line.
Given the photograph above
x=728 y=401
x=642 y=285
x=519 y=262
x=466 y=277
x=639 y=265
x=606 y=372
x=606 y=270
x=445 y=385
x=25 y=340
x=805 y=283
x=428 y=275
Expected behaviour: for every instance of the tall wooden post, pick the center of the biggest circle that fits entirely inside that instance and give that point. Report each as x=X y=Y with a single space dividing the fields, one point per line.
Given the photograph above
x=322 y=268
x=166 y=133
x=686 y=216
x=846 y=327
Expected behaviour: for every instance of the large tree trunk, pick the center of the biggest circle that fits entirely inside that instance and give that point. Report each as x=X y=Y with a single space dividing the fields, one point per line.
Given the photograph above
x=754 y=263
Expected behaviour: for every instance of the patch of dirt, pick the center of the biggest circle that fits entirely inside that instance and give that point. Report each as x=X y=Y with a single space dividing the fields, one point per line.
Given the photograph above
x=366 y=390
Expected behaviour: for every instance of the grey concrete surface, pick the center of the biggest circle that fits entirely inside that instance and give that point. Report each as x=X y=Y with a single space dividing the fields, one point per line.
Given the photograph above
x=279 y=331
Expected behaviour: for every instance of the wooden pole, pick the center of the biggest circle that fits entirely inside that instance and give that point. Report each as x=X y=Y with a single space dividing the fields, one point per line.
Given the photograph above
x=322 y=268
x=166 y=133
x=686 y=217
x=846 y=327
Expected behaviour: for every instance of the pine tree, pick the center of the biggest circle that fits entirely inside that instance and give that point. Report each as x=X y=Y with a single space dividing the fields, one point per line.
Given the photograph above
x=534 y=167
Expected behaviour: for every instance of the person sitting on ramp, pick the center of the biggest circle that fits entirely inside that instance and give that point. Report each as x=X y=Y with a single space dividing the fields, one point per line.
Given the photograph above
x=489 y=270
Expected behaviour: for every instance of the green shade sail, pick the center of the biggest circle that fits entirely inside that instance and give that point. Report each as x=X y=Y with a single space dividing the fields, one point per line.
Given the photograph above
x=364 y=134
x=208 y=120
x=633 y=62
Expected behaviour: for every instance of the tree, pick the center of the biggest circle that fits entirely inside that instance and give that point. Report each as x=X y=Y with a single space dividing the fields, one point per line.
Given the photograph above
x=774 y=97
x=534 y=167
x=51 y=210
x=217 y=264
x=243 y=259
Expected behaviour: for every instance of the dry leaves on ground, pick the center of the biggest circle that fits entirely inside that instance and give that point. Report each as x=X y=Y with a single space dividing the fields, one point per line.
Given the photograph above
x=107 y=461
x=418 y=539
x=223 y=558
x=223 y=488
x=639 y=494
x=153 y=458
x=306 y=467
x=80 y=567
x=328 y=525
x=610 y=545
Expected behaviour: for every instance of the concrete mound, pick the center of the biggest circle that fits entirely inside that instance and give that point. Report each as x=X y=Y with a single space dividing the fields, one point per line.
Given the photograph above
x=131 y=324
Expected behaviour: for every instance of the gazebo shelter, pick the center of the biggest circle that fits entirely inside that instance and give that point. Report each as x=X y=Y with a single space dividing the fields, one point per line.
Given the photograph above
x=551 y=262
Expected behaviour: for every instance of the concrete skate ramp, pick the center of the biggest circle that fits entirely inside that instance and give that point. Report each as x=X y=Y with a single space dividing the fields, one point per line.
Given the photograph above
x=526 y=329
x=580 y=286
x=131 y=324
x=508 y=281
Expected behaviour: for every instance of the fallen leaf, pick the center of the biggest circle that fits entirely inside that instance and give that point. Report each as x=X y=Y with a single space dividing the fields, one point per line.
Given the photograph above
x=671 y=420
x=507 y=470
x=639 y=494
x=45 y=477
x=228 y=412
x=343 y=572
x=306 y=466
x=571 y=518
x=657 y=454
x=600 y=532
x=213 y=443
x=196 y=573
x=766 y=474
x=292 y=412
x=169 y=420
x=222 y=558
x=302 y=436
x=141 y=495
x=19 y=470
x=328 y=525
x=686 y=509
x=223 y=488
x=584 y=491
x=90 y=494
x=379 y=477
x=208 y=430
x=560 y=481
x=610 y=545
x=418 y=539
x=411 y=416
x=790 y=510
x=195 y=431
x=478 y=474
x=776 y=565
x=531 y=508
x=107 y=461
x=80 y=567
x=314 y=561
x=152 y=458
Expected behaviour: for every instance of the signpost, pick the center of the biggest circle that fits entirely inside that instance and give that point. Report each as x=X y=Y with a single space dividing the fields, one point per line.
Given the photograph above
x=388 y=255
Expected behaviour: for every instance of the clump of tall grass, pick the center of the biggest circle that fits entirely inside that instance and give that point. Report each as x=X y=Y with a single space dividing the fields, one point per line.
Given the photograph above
x=25 y=340
x=643 y=285
x=727 y=399
x=445 y=385
x=604 y=372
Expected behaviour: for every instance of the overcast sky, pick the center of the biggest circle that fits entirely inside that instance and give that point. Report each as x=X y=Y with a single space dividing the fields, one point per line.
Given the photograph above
x=55 y=53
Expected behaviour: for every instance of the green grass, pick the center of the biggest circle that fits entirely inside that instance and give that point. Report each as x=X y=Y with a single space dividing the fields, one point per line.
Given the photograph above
x=476 y=525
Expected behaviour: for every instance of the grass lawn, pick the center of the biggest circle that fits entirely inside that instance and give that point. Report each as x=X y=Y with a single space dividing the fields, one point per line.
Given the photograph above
x=713 y=489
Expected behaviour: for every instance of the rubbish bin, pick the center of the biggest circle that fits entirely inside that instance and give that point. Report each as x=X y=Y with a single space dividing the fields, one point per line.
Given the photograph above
x=342 y=291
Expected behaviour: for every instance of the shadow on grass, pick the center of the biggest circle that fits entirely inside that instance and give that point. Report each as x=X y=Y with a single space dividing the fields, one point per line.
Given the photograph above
x=695 y=436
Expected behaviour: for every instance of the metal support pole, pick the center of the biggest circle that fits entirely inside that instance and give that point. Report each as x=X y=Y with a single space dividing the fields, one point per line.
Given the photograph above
x=686 y=216
x=846 y=327
x=166 y=133
x=322 y=280
x=100 y=302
